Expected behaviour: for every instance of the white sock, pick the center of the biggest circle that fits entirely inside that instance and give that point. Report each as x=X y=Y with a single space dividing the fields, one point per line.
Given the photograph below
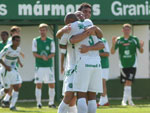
x=125 y=94
x=82 y=106
x=103 y=100
x=92 y=106
x=129 y=93
x=7 y=97
x=63 y=108
x=2 y=93
x=72 y=109
x=38 y=95
x=14 y=98
x=51 y=95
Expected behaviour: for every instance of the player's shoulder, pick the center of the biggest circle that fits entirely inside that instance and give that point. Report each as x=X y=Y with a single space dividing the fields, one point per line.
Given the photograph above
x=103 y=39
x=1 y=42
x=74 y=23
x=49 y=38
x=134 y=37
x=88 y=21
x=7 y=47
x=18 y=48
x=37 y=38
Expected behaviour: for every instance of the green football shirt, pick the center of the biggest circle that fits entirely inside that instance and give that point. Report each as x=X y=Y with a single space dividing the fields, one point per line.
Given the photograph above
x=43 y=48
x=127 y=51
x=2 y=45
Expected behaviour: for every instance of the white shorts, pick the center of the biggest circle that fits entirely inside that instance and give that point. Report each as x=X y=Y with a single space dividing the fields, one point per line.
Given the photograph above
x=105 y=73
x=44 y=74
x=68 y=81
x=9 y=78
x=88 y=76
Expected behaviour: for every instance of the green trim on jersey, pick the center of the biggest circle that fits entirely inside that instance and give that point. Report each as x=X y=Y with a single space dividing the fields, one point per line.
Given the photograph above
x=127 y=50
x=43 y=48
x=2 y=45
x=104 y=60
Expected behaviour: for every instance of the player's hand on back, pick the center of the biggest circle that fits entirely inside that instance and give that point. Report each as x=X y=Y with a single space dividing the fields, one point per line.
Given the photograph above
x=44 y=58
x=8 y=68
x=91 y=30
x=84 y=49
x=114 y=40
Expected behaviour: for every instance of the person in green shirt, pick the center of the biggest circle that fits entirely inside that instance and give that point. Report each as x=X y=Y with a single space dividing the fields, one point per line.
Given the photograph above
x=43 y=49
x=127 y=46
x=4 y=36
x=104 y=54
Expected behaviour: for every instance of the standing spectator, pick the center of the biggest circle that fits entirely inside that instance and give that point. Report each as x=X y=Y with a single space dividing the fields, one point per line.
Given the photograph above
x=43 y=49
x=127 y=45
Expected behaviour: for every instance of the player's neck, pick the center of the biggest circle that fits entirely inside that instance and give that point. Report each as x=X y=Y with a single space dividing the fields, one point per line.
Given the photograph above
x=4 y=42
x=126 y=36
x=43 y=37
x=14 y=47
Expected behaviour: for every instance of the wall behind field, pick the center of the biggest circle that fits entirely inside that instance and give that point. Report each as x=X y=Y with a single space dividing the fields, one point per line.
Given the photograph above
x=29 y=32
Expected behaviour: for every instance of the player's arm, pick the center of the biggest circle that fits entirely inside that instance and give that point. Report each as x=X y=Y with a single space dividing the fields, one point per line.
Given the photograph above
x=98 y=32
x=63 y=52
x=98 y=46
x=52 y=50
x=114 y=40
x=141 y=46
x=19 y=62
x=65 y=29
x=2 y=54
x=22 y=54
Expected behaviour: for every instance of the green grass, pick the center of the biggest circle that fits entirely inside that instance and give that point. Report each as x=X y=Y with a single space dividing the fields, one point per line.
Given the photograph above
x=142 y=106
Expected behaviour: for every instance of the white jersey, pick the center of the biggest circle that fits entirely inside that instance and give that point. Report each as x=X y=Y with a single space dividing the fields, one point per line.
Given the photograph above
x=77 y=28
x=10 y=56
x=70 y=60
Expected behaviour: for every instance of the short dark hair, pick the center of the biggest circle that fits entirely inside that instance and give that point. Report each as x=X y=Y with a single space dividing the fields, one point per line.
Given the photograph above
x=70 y=17
x=14 y=37
x=84 y=5
x=5 y=32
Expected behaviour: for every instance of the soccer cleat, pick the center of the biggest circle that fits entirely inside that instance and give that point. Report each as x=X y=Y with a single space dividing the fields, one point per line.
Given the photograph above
x=13 y=108
x=123 y=103
x=131 y=103
x=39 y=106
x=52 y=106
x=5 y=104
x=106 y=104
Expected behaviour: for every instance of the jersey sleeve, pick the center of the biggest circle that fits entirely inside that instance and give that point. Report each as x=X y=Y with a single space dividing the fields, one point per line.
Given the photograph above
x=137 y=43
x=3 y=52
x=34 y=45
x=106 y=49
x=64 y=39
x=52 y=47
x=88 y=22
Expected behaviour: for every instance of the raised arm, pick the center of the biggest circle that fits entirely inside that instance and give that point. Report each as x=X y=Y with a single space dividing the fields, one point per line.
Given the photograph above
x=65 y=29
x=114 y=39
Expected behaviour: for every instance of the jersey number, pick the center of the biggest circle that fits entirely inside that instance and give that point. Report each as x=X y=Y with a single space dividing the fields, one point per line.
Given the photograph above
x=91 y=41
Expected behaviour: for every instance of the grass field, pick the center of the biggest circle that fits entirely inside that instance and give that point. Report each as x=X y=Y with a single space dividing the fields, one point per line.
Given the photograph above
x=142 y=106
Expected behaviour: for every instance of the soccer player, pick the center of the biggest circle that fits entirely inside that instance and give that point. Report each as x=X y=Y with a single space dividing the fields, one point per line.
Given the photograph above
x=10 y=76
x=104 y=54
x=70 y=63
x=43 y=48
x=127 y=45
x=14 y=31
x=4 y=36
